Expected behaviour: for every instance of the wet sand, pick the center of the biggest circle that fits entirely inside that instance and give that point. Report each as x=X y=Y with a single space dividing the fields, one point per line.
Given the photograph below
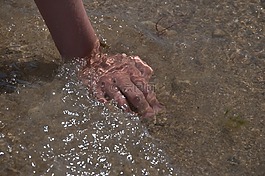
x=209 y=63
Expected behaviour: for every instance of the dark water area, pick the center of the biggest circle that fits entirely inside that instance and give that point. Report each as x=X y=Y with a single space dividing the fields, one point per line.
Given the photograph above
x=209 y=65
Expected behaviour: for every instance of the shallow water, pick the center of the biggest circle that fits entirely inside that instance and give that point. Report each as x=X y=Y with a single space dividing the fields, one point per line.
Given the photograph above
x=209 y=72
x=57 y=129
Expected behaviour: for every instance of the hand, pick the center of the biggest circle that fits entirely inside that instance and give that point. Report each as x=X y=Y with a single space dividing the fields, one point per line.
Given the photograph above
x=124 y=79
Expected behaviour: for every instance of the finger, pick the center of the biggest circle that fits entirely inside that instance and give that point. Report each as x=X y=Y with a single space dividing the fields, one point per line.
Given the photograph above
x=148 y=91
x=145 y=70
x=110 y=91
x=133 y=95
x=119 y=98
x=99 y=94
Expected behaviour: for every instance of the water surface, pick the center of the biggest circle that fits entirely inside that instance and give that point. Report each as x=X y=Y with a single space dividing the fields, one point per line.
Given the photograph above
x=208 y=58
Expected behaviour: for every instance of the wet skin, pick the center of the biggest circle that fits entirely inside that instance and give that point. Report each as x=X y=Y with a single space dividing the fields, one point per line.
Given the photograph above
x=121 y=78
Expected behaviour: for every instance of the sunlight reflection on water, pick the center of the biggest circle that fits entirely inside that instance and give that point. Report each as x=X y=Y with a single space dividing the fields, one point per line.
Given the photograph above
x=58 y=129
x=99 y=140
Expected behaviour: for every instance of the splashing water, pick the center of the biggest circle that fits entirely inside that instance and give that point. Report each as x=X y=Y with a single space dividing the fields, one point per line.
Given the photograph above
x=71 y=134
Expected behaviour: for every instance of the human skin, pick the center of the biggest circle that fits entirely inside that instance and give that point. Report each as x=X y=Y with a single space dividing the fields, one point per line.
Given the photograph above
x=69 y=26
x=119 y=77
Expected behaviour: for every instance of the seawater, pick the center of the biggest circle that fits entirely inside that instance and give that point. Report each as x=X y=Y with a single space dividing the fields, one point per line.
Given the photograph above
x=66 y=132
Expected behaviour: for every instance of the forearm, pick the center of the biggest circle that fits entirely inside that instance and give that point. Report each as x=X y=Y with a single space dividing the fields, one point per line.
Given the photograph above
x=69 y=26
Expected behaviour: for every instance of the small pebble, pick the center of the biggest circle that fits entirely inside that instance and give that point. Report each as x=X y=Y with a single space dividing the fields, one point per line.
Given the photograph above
x=218 y=33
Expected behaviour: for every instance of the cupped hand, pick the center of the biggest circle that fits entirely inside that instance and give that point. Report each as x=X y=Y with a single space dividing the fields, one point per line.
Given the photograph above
x=125 y=80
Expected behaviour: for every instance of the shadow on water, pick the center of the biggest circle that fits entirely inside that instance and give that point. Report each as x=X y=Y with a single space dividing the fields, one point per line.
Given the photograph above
x=13 y=74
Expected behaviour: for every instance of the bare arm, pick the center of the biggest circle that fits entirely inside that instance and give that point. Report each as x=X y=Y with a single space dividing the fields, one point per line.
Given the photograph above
x=69 y=26
x=119 y=77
